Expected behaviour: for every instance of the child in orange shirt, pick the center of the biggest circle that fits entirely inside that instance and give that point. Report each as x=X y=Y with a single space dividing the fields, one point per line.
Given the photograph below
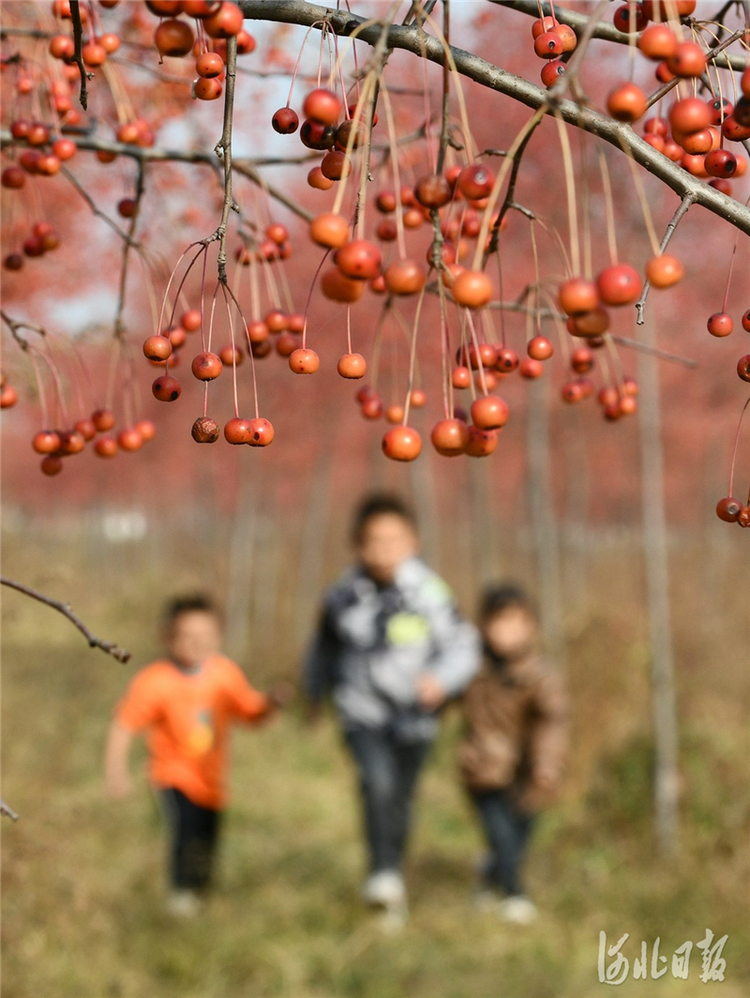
x=185 y=704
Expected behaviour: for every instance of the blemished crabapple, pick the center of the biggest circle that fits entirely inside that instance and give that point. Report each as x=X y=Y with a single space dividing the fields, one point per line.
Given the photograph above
x=728 y=509
x=166 y=388
x=481 y=443
x=205 y=430
x=720 y=324
x=206 y=366
x=304 y=361
x=238 y=431
x=262 y=432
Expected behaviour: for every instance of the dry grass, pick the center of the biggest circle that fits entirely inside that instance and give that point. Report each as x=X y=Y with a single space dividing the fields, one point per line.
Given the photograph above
x=83 y=876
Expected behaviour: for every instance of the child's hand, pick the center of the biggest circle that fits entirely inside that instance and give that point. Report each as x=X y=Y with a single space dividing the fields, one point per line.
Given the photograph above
x=430 y=692
x=281 y=694
x=119 y=785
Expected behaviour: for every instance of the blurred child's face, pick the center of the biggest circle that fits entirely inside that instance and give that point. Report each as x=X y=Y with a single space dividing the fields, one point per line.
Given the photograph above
x=511 y=633
x=193 y=637
x=387 y=541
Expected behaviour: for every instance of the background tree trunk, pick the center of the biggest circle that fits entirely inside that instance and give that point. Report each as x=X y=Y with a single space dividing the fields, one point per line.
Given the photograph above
x=543 y=518
x=666 y=777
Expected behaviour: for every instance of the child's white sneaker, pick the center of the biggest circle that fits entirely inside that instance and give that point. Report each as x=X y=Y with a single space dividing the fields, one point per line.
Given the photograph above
x=183 y=904
x=518 y=909
x=384 y=889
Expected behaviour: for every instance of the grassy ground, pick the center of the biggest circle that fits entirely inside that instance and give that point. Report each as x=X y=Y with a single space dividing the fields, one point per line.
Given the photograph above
x=82 y=880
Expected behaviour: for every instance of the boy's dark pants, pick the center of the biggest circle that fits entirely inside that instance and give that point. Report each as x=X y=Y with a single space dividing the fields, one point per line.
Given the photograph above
x=507 y=830
x=194 y=833
x=388 y=771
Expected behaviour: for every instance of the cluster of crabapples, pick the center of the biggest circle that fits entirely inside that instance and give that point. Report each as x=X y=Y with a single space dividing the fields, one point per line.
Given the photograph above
x=42 y=157
x=99 y=428
x=215 y=22
x=163 y=350
x=44 y=147
x=324 y=131
x=732 y=510
x=695 y=131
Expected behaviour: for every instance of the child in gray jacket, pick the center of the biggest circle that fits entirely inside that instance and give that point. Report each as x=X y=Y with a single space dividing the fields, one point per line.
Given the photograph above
x=391 y=648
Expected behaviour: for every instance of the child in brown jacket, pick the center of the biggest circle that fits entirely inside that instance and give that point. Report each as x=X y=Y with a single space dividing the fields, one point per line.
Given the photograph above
x=511 y=757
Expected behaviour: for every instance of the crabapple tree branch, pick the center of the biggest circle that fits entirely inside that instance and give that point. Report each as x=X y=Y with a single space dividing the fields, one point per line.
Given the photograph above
x=247 y=167
x=224 y=151
x=119 y=328
x=75 y=13
x=65 y=609
x=473 y=67
x=15 y=328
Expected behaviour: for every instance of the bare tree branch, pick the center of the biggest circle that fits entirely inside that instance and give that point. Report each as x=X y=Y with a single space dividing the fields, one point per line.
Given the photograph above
x=6 y=811
x=247 y=167
x=224 y=151
x=65 y=609
x=119 y=328
x=473 y=67
x=15 y=328
x=75 y=13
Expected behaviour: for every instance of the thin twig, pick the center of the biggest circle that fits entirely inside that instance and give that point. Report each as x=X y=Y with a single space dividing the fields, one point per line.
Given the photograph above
x=97 y=211
x=15 y=328
x=674 y=358
x=657 y=95
x=509 y=201
x=224 y=151
x=75 y=13
x=444 y=141
x=65 y=609
x=152 y=154
x=682 y=209
x=623 y=341
x=119 y=328
x=6 y=811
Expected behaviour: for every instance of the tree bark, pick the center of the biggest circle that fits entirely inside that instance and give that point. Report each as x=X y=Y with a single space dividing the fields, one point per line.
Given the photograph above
x=543 y=517
x=664 y=711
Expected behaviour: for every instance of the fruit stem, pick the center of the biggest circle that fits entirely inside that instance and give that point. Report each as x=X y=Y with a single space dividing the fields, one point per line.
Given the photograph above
x=734 y=451
x=609 y=208
x=518 y=143
x=413 y=357
x=575 y=250
x=729 y=275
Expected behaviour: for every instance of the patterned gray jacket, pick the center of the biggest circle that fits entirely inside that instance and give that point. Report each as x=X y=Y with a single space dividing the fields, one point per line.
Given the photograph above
x=373 y=642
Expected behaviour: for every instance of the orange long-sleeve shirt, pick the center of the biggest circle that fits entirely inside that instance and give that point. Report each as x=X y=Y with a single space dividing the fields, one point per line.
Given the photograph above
x=186 y=717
